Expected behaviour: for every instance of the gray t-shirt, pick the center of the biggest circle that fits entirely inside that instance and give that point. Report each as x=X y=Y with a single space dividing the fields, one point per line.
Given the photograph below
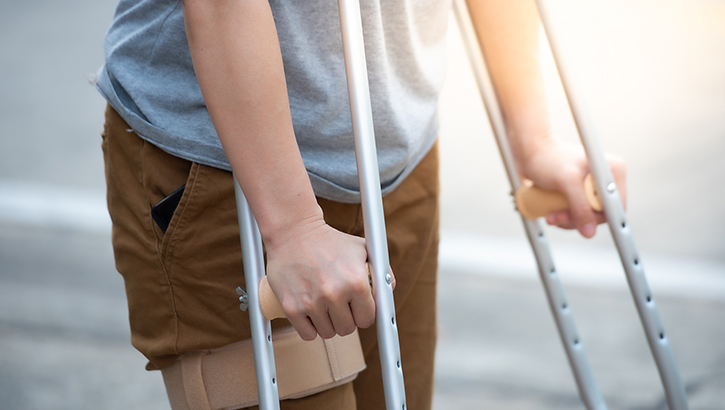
x=149 y=79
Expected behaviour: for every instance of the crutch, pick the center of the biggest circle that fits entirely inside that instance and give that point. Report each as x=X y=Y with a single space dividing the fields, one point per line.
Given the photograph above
x=375 y=235
x=614 y=211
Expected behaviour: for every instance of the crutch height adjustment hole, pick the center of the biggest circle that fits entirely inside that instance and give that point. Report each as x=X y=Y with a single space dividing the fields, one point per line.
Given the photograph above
x=649 y=298
x=576 y=341
x=274 y=381
x=662 y=336
x=624 y=225
x=398 y=364
x=392 y=320
x=636 y=261
x=269 y=338
x=564 y=306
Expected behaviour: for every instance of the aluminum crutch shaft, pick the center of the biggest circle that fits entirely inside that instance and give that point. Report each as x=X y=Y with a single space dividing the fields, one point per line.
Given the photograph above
x=619 y=226
x=253 y=260
x=573 y=346
x=372 y=202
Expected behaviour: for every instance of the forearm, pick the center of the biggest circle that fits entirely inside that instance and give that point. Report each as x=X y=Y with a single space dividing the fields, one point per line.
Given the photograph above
x=238 y=63
x=508 y=32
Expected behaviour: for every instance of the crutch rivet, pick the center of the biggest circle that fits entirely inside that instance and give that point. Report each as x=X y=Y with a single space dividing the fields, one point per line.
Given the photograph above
x=611 y=187
x=388 y=278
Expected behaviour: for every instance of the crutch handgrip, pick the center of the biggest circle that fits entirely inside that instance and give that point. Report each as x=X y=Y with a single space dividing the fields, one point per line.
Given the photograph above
x=271 y=308
x=534 y=202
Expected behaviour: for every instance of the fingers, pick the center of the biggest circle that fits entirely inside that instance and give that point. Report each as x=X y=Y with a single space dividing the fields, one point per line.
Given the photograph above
x=303 y=325
x=319 y=319
x=363 y=309
x=581 y=215
x=336 y=298
x=323 y=324
x=335 y=303
x=563 y=219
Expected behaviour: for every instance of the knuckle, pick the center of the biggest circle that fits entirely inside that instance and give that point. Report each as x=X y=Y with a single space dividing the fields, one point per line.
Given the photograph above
x=360 y=287
x=292 y=311
x=330 y=292
x=306 y=305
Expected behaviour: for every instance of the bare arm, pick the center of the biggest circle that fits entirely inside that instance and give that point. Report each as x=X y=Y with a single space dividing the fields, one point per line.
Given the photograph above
x=508 y=31
x=317 y=273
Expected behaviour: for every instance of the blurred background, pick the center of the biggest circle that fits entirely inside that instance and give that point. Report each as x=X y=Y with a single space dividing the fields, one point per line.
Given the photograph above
x=653 y=77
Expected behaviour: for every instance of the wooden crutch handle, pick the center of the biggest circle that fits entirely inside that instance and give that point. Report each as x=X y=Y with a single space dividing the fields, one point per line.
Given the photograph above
x=271 y=308
x=534 y=202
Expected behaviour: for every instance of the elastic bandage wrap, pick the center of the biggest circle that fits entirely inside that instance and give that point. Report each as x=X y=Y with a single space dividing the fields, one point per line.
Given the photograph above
x=224 y=378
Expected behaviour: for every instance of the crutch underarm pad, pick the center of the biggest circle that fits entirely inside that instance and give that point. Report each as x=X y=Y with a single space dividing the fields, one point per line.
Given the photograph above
x=534 y=202
x=224 y=378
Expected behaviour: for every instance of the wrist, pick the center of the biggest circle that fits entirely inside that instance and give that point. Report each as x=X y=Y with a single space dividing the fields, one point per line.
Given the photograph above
x=529 y=130
x=528 y=146
x=288 y=226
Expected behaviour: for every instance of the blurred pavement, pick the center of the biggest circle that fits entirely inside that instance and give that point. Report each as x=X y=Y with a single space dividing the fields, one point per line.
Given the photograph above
x=651 y=72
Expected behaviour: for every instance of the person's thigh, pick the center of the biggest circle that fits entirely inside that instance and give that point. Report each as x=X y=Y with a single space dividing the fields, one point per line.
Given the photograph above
x=180 y=284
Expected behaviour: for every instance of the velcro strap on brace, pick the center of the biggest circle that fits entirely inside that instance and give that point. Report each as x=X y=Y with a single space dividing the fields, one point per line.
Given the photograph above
x=224 y=378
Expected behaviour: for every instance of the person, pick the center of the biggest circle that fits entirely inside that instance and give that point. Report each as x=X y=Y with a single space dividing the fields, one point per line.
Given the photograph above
x=198 y=88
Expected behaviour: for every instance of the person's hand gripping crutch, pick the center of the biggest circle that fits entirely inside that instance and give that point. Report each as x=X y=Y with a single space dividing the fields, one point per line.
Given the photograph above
x=320 y=278
x=508 y=33
x=560 y=167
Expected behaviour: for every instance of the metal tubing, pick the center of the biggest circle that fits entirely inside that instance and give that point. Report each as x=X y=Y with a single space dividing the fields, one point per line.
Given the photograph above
x=619 y=226
x=253 y=259
x=560 y=309
x=372 y=202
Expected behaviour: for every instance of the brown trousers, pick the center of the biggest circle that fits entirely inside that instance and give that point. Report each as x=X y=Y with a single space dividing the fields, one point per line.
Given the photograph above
x=181 y=285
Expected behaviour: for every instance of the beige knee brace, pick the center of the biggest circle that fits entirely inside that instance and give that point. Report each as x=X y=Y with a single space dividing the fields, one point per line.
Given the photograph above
x=224 y=378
